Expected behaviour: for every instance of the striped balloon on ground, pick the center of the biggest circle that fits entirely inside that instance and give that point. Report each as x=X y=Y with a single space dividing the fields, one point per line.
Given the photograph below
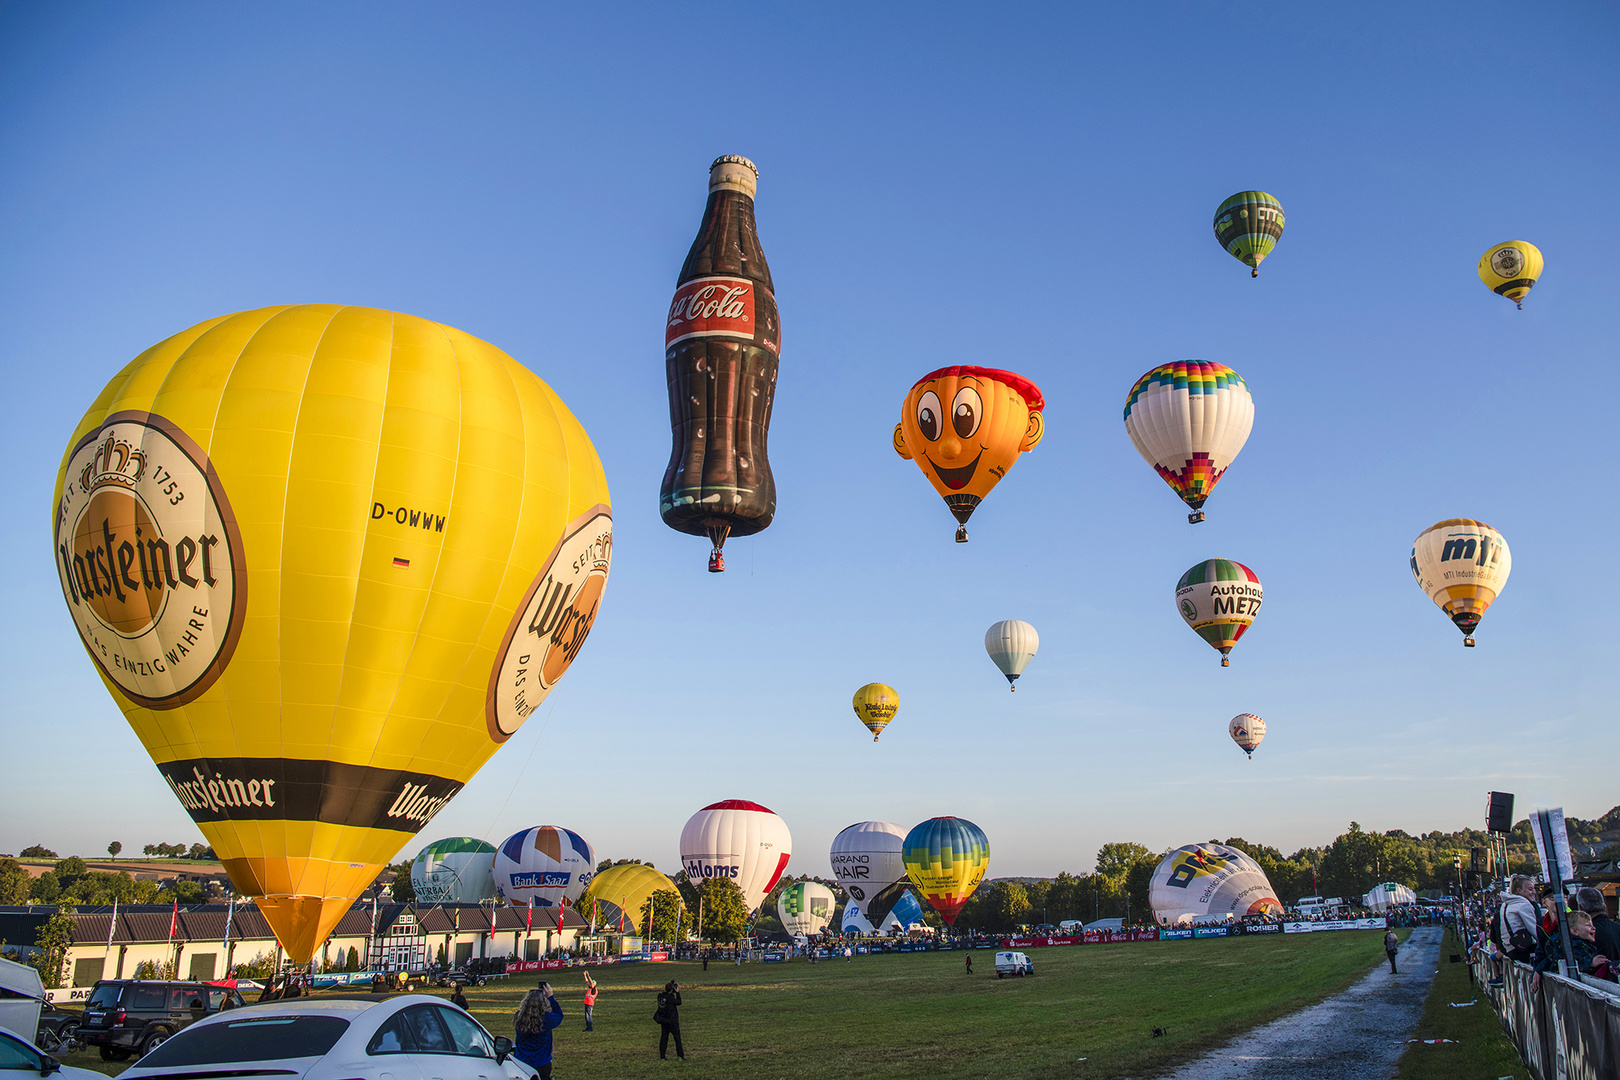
x=1462 y=565
x=946 y=858
x=1219 y=599
x=1189 y=419
x=616 y=895
x=1248 y=225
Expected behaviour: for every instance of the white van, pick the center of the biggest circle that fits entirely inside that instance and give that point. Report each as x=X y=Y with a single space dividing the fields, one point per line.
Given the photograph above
x=1013 y=963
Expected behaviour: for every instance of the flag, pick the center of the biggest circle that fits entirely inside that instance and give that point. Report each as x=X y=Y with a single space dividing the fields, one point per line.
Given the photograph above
x=560 y=908
x=174 y=919
x=528 y=920
x=596 y=905
x=111 y=924
x=230 y=917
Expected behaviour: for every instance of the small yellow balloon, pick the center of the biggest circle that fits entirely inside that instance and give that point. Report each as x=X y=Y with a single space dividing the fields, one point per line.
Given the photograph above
x=1511 y=269
x=327 y=560
x=876 y=705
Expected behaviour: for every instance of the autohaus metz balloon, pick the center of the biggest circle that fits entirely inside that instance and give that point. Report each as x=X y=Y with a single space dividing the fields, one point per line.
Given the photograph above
x=875 y=705
x=738 y=840
x=965 y=427
x=1189 y=420
x=327 y=560
x=1511 y=269
x=946 y=858
x=1247 y=730
x=1012 y=644
x=1248 y=225
x=868 y=859
x=1219 y=599
x=1462 y=565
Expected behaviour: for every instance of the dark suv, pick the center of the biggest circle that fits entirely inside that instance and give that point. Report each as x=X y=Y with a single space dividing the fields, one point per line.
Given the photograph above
x=129 y=1016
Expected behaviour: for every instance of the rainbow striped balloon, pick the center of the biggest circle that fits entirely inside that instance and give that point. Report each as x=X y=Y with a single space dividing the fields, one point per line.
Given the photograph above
x=1219 y=599
x=1189 y=420
x=946 y=858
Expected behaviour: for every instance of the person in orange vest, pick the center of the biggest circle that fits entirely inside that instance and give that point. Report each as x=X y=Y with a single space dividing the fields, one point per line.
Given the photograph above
x=590 y=999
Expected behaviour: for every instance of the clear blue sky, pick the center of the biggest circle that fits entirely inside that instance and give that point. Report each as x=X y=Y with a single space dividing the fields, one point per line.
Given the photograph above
x=939 y=184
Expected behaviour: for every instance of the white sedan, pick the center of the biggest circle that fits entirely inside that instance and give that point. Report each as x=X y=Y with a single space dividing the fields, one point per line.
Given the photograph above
x=409 y=1037
x=18 y=1053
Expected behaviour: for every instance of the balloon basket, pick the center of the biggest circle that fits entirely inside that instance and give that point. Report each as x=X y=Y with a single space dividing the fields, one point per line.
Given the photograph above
x=717 y=562
x=1255 y=272
x=1468 y=642
x=961 y=535
x=1226 y=661
x=1195 y=517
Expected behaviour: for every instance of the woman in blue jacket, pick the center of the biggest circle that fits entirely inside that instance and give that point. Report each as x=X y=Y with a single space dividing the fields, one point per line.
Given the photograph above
x=536 y=1016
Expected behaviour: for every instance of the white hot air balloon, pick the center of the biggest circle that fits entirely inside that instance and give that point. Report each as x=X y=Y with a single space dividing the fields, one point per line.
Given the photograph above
x=805 y=907
x=1011 y=643
x=1247 y=730
x=1462 y=565
x=738 y=840
x=1209 y=881
x=458 y=870
x=550 y=866
x=868 y=862
x=1189 y=419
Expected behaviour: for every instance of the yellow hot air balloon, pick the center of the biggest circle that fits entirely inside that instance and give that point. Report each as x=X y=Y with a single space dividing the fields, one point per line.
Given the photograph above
x=876 y=705
x=1511 y=269
x=327 y=559
x=616 y=895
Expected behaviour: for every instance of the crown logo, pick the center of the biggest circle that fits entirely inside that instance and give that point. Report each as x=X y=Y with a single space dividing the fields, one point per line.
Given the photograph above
x=115 y=462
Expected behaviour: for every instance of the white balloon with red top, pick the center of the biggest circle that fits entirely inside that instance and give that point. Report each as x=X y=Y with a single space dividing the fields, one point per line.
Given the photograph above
x=738 y=840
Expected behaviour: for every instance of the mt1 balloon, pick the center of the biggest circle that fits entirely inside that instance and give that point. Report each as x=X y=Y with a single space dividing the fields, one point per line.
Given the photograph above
x=1189 y=420
x=327 y=560
x=721 y=343
x=946 y=858
x=1204 y=881
x=459 y=870
x=876 y=705
x=965 y=427
x=1247 y=730
x=1462 y=565
x=1219 y=599
x=869 y=862
x=739 y=840
x=1248 y=225
x=546 y=866
x=1511 y=269
x=1011 y=644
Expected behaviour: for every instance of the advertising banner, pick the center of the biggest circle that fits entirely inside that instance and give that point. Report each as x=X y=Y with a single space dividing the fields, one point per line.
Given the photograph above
x=1376 y=923
x=1211 y=931
x=1036 y=942
x=1176 y=933
x=861 y=950
x=1149 y=934
x=1552 y=843
x=773 y=958
x=1259 y=928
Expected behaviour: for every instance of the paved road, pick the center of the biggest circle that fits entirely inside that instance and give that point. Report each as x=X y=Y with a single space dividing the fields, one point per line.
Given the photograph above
x=1356 y=1035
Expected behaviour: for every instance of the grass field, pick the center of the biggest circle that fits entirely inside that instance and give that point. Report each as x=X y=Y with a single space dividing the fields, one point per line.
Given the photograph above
x=919 y=1015
x=1481 y=1051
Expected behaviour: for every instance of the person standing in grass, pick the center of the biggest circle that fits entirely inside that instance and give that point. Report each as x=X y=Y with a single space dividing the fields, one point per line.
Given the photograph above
x=668 y=1016
x=1391 y=943
x=970 y=963
x=590 y=1000
x=536 y=1016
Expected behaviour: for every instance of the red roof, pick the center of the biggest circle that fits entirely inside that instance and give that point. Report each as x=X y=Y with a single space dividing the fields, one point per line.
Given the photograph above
x=1030 y=392
x=738 y=804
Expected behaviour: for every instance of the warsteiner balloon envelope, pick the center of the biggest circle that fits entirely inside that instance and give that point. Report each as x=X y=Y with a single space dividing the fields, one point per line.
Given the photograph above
x=327 y=560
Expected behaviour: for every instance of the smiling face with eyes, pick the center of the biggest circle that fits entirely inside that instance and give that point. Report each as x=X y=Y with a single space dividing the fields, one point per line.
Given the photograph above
x=965 y=427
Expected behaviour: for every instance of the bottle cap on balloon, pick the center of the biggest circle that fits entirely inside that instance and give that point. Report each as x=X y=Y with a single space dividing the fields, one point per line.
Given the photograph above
x=732 y=172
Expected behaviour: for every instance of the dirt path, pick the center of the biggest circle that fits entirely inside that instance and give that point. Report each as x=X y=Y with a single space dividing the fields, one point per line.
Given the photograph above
x=1356 y=1035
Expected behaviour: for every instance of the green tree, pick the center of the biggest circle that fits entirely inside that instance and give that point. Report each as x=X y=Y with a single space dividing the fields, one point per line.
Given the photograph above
x=45 y=888
x=15 y=883
x=1114 y=860
x=353 y=962
x=1007 y=907
x=1138 y=883
x=200 y=851
x=664 y=907
x=53 y=940
x=260 y=967
x=114 y=848
x=70 y=869
x=187 y=892
x=725 y=915
x=404 y=891
x=37 y=851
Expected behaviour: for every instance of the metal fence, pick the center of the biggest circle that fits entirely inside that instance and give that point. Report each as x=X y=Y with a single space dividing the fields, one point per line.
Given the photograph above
x=1565 y=1030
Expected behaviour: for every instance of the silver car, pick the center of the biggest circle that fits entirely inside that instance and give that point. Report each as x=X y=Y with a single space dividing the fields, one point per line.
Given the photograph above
x=409 y=1037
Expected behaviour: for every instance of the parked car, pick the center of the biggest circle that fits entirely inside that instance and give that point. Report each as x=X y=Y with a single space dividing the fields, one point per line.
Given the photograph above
x=1013 y=963
x=57 y=1027
x=18 y=1053
x=130 y=1016
x=355 y=1038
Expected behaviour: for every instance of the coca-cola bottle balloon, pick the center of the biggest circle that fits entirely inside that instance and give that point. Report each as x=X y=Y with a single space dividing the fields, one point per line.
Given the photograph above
x=721 y=344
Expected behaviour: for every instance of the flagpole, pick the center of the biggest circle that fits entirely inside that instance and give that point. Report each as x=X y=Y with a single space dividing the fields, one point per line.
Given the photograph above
x=111 y=923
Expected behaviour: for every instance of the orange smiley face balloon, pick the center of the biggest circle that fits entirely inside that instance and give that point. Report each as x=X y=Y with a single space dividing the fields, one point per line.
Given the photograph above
x=965 y=427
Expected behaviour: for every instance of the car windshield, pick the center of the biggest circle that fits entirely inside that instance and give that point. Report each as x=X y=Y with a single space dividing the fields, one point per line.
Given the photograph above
x=266 y=1038
x=104 y=996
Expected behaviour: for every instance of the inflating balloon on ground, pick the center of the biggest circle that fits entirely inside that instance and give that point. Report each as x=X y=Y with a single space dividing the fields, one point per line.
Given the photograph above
x=946 y=858
x=327 y=560
x=740 y=841
x=615 y=896
x=868 y=859
x=458 y=870
x=1209 y=881
x=805 y=907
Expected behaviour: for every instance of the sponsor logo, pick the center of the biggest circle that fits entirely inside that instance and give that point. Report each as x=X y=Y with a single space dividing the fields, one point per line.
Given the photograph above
x=1177 y=933
x=1507 y=262
x=698 y=869
x=150 y=559
x=1188 y=611
x=712 y=307
x=551 y=623
x=542 y=880
x=290 y=789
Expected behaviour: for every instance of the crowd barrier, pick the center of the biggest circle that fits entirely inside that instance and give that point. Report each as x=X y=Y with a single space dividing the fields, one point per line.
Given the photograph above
x=1567 y=1030
x=1180 y=933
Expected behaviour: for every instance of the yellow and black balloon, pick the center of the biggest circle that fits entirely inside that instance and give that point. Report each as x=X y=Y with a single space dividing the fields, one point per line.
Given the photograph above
x=875 y=705
x=965 y=427
x=326 y=560
x=1510 y=269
